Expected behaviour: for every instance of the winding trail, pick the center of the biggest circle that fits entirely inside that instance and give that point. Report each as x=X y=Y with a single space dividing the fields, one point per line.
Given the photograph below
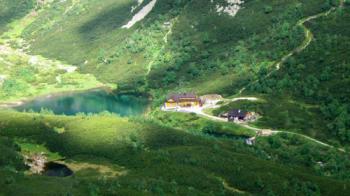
x=228 y=187
x=309 y=37
x=269 y=132
x=307 y=41
x=74 y=2
x=258 y=131
x=165 y=38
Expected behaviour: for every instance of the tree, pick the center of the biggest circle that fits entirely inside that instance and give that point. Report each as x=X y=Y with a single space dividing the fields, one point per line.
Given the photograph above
x=211 y=128
x=342 y=125
x=193 y=70
x=268 y=9
x=12 y=86
x=169 y=78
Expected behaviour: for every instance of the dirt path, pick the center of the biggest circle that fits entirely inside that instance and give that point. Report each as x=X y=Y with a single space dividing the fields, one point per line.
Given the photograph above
x=268 y=132
x=258 y=131
x=165 y=38
x=74 y=2
x=228 y=187
x=307 y=41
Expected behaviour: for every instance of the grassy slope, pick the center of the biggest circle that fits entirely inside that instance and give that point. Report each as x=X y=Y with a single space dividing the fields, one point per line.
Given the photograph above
x=26 y=78
x=157 y=159
x=282 y=113
x=221 y=58
x=83 y=25
x=310 y=82
x=13 y=9
x=236 y=49
x=197 y=125
x=93 y=31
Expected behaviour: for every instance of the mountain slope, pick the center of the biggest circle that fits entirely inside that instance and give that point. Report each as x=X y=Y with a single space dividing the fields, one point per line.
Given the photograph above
x=13 y=9
x=154 y=160
x=316 y=79
x=290 y=55
x=195 y=47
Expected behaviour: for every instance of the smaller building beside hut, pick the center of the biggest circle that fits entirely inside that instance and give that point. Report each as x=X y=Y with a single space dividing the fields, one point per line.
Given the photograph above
x=211 y=99
x=184 y=100
x=238 y=115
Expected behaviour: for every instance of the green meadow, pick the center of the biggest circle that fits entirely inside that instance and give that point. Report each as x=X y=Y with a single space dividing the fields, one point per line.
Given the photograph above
x=156 y=159
x=293 y=55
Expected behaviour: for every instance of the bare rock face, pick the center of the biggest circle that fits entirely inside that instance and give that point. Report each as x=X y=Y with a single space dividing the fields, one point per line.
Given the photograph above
x=36 y=162
x=232 y=7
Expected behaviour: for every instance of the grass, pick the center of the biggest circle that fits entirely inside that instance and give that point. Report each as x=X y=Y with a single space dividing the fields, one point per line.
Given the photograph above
x=30 y=76
x=16 y=28
x=28 y=148
x=121 y=56
x=225 y=58
x=308 y=91
x=199 y=125
x=11 y=10
x=171 y=153
x=157 y=159
x=285 y=113
x=100 y=46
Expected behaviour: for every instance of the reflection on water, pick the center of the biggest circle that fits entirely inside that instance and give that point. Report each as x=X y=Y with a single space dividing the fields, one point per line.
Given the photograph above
x=90 y=102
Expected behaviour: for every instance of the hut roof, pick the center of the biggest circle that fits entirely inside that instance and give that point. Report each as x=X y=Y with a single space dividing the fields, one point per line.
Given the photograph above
x=237 y=113
x=178 y=97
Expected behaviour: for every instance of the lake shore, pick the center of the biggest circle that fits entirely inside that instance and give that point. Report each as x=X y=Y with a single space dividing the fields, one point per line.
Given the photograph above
x=20 y=102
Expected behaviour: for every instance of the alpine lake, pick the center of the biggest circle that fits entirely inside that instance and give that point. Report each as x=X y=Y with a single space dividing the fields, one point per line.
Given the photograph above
x=89 y=102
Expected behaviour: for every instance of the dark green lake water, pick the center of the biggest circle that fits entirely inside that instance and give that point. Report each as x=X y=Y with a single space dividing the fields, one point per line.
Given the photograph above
x=96 y=101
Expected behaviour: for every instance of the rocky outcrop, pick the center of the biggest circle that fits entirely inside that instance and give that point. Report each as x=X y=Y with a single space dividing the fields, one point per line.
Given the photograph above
x=36 y=162
x=232 y=7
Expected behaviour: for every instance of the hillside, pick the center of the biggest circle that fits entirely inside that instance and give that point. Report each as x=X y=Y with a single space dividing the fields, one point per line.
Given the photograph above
x=286 y=60
x=12 y=10
x=155 y=160
x=317 y=80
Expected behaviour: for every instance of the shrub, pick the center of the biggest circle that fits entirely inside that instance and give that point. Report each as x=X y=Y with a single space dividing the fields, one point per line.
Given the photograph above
x=268 y=9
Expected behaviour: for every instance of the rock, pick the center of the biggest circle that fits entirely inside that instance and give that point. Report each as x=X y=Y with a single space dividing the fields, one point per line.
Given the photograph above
x=36 y=162
x=231 y=9
x=2 y=79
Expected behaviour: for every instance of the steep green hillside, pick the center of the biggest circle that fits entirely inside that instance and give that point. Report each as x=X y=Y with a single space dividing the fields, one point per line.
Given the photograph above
x=13 y=9
x=193 y=48
x=152 y=160
x=89 y=34
x=219 y=53
x=291 y=56
x=315 y=81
